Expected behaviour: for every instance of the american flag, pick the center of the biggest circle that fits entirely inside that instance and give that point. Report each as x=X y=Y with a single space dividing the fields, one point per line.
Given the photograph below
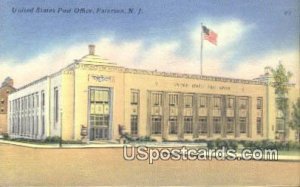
x=209 y=35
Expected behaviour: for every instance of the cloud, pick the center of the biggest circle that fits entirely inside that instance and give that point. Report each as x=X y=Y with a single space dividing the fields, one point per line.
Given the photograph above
x=163 y=56
x=229 y=32
x=253 y=66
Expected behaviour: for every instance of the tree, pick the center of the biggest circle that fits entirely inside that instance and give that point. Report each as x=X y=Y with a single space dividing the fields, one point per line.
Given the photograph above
x=281 y=79
x=295 y=118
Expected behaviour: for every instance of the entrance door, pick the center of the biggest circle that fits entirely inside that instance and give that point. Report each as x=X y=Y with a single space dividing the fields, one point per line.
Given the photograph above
x=99 y=114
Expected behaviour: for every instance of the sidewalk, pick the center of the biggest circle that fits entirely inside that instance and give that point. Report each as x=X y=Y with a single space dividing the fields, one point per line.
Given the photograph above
x=103 y=145
x=295 y=158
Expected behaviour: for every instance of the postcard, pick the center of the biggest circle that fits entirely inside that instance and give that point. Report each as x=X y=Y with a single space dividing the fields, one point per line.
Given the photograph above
x=149 y=93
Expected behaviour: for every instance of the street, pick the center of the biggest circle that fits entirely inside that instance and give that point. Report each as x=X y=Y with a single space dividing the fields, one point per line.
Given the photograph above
x=22 y=166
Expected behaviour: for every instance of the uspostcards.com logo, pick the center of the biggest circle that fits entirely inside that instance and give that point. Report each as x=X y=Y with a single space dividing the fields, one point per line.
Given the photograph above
x=152 y=154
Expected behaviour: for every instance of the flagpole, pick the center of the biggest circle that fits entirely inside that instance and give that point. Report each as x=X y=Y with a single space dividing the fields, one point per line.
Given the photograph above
x=201 y=50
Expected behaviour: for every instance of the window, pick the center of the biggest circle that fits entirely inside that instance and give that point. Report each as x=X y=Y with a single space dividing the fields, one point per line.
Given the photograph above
x=230 y=103
x=202 y=102
x=188 y=101
x=217 y=125
x=134 y=125
x=37 y=125
x=134 y=97
x=243 y=103
x=37 y=100
x=43 y=124
x=156 y=124
x=29 y=102
x=279 y=125
x=173 y=125
x=33 y=100
x=229 y=125
x=243 y=125
x=188 y=125
x=100 y=97
x=43 y=98
x=173 y=100
x=156 y=99
x=2 y=100
x=202 y=125
x=56 y=105
x=7 y=91
x=2 y=109
x=258 y=126
x=259 y=103
x=217 y=102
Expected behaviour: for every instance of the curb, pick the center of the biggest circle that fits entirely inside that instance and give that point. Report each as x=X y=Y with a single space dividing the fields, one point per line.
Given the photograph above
x=110 y=145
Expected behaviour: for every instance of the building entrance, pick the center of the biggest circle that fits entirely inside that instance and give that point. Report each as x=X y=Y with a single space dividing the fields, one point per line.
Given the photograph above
x=99 y=110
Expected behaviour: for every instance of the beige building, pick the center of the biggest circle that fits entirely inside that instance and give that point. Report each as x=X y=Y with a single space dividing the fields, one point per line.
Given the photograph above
x=6 y=88
x=99 y=95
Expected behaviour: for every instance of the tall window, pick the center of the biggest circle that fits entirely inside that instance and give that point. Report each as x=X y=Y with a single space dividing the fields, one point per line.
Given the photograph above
x=259 y=103
x=258 y=126
x=134 y=125
x=279 y=124
x=33 y=100
x=43 y=98
x=134 y=97
x=229 y=125
x=243 y=125
x=43 y=109
x=173 y=125
x=56 y=104
x=217 y=125
x=173 y=100
x=43 y=125
x=188 y=125
x=156 y=99
x=243 y=103
x=217 y=102
x=37 y=100
x=230 y=103
x=188 y=101
x=202 y=102
x=156 y=124
x=202 y=125
x=29 y=102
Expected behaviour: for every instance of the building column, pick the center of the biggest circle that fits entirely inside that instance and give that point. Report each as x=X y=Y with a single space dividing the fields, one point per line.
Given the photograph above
x=195 y=116
x=180 y=117
x=148 y=125
x=210 y=116
x=249 y=116
x=165 y=113
x=237 y=124
x=223 y=116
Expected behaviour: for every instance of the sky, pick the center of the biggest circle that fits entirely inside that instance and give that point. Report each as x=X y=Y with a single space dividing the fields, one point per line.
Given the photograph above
x=162 y=35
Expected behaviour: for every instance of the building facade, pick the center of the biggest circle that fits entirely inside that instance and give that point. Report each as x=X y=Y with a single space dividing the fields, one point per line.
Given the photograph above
x=5 y=89
x=95 y=94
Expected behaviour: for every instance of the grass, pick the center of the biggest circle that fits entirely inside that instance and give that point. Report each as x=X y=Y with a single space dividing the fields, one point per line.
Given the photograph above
x=289 y=153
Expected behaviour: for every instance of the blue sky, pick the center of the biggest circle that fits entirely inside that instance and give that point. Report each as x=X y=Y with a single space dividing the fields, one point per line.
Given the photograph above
x=268 y=26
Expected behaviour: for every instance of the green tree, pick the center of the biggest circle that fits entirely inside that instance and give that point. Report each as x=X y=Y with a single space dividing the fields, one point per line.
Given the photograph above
x=281 y=79
x=295 y=118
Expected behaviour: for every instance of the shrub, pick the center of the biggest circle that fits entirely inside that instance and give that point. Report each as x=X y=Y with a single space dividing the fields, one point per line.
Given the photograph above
x=52 y=139
x=293 y=145
x=72 y=142
x=210 y=144
x=5 y=136
x=200 y=141
x=145 y=139
x=233 y=144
